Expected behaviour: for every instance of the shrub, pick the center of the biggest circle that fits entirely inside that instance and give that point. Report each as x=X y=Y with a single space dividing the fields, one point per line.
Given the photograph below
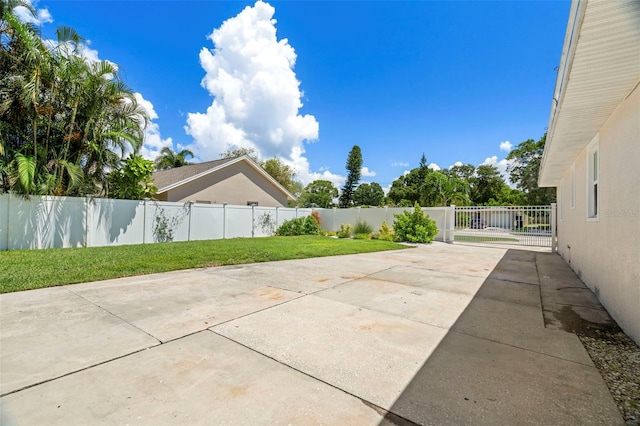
x=362 y=227
x=385 y=233
x=316 y=216
x=307 y=225
x=361 y=236
x=414 y=226
x=344 y=232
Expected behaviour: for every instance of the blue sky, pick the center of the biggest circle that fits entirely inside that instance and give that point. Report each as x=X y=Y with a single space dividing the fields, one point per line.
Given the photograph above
x=455 y=80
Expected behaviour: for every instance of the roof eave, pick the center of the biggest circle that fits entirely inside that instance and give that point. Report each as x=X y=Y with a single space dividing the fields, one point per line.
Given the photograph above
x=576 y=16
x=599 y=69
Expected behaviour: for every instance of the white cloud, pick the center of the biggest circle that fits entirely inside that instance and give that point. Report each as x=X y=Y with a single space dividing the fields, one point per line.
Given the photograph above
x=43 y=15
x=505 y=146
x=457 y=163
x=406 y=172
x=399 y=164
x=153 y=141
x=365 y=172
x=257 y=96
x=299 y=163
x=434 y=166
x=89 y=54
x=501 y=165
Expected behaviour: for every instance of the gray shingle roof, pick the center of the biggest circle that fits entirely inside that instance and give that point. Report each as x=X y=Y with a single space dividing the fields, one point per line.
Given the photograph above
x=164 y=178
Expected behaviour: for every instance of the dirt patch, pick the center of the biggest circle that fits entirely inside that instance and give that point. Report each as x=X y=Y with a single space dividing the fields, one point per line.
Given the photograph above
x=270 y=294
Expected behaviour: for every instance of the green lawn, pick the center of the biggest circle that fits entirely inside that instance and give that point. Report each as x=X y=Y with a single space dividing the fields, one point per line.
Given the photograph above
x=30 y=269
x=481 y=238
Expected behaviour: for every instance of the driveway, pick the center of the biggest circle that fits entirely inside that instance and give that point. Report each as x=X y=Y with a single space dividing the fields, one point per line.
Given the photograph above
x=438 y=334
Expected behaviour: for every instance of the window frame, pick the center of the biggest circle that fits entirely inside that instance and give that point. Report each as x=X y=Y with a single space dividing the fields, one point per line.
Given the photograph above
x=593 y=179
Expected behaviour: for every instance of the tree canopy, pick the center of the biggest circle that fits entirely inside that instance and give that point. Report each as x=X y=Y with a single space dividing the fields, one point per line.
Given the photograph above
x=524 y=169
x=462 y=184
x=65 y=121
x=281 y=172
x=319 y=193
x=486 y=183
x=368 y=194
x=168 y=159
x=239 y=152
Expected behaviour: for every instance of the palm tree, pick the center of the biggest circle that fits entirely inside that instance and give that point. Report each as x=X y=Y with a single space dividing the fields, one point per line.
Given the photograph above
x=168 y=159
x=65 y=122
x=444 y=190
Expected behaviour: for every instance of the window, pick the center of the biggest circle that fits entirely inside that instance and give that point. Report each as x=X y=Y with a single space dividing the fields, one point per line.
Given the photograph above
x=573 y=186
x=593 y=177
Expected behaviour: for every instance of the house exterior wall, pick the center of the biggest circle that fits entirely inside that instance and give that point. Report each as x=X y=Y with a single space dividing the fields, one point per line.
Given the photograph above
x=237 y=184
x=605 y=252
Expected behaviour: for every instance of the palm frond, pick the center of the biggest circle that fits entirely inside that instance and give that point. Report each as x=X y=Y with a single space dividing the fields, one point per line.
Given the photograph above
x=25 y=172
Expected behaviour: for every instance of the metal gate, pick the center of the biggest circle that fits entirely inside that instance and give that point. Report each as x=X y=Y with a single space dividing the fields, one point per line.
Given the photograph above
x=517 y=225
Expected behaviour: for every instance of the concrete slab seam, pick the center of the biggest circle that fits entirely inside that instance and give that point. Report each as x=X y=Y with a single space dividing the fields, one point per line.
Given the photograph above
x=535 y=261
x=245 y=315
x=523 y=349
x=382 y=411
x=112 y=314
x=368 y=276
x=445 y=272
x=79 y=370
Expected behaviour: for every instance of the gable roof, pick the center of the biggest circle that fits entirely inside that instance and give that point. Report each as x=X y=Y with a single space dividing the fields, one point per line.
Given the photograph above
x=599 y=69
x=166 y=180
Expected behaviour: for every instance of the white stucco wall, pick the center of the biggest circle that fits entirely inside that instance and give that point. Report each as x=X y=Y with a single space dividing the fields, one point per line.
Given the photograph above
x=605 y=253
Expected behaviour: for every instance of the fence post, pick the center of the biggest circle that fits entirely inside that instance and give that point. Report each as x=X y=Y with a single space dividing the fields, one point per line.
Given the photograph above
x=554 y=233
x=452 y=225
x=277 y=218
x=333 y=220
x=86 y=222
x=144 y=221
x=253 y=220
x=189 y=226
x=8 y=220
x=224 y=220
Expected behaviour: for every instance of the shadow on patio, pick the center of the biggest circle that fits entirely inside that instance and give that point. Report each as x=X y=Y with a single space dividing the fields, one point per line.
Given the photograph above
x=500 y=364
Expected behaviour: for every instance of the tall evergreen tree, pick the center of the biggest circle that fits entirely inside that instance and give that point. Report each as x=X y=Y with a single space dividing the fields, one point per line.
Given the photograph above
x=354 y=167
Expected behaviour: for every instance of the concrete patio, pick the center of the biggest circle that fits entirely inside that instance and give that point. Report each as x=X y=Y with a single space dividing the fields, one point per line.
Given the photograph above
x=438 y=334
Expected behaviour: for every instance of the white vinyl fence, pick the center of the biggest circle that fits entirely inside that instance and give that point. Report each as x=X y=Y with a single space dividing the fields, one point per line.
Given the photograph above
x=56 y=222
x=331 y=219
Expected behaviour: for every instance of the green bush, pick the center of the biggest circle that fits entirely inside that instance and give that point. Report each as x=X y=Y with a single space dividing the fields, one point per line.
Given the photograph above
x=385 y=233
x=345 y=231
x=362 y=227
x=414 y=226
x=361 y=236
x=307 y=225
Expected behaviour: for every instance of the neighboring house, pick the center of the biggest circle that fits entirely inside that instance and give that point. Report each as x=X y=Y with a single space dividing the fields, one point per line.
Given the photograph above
x=235 y=181
x=592 y=154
